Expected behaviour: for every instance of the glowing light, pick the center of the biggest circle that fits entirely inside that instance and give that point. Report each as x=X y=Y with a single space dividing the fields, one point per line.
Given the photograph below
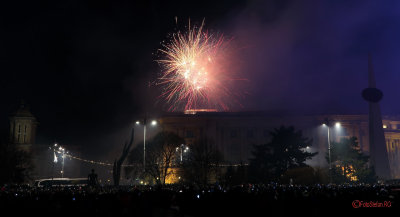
x=349 y=172
x=337 y=124
x=137 y=122
x=193 y=70
x=384 y=126
x=153 y=122
x=194 y=111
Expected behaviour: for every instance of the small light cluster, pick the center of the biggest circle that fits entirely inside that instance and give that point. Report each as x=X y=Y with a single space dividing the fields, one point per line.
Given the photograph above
x=153 y=123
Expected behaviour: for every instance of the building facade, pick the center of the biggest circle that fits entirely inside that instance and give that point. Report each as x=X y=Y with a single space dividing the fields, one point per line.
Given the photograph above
x=23 y=126
x=235 y=133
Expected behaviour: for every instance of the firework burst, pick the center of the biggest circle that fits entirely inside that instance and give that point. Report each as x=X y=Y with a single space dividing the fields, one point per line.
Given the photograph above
x=193 y=73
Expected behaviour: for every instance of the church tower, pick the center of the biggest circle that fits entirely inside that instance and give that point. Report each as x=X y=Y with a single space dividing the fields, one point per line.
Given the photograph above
x=23 y=126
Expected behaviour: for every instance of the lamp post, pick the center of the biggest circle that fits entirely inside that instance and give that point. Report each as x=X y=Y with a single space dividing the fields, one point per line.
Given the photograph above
x=60 y=150
x=63 y=160
x=54 y=162
x=144 y=123
x=327 y=123
x=182 y=150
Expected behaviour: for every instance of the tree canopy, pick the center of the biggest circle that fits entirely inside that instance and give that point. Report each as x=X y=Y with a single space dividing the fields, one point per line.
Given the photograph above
x=349 y=164
x=160 y=157
x=15 y=164
x=286 y=150
x=202 y=163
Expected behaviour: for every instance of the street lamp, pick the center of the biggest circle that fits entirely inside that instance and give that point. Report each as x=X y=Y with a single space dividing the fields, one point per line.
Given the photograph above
x=58 y=149
x=63 y=160
x=327 y=123
x=183 y=149
x=144 y=123
x=54 y=161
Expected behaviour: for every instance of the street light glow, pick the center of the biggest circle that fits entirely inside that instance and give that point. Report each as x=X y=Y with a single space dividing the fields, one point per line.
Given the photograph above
x=144 y=124
x=337 y=124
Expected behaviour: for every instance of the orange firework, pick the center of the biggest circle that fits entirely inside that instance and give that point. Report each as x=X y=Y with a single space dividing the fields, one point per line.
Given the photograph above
x=193 y=74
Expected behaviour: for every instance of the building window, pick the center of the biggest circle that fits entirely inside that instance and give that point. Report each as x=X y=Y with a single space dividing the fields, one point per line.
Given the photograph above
x=19 y=134
x=25 y=134
x=189 y=134
x=250 y=133
x=234 y=134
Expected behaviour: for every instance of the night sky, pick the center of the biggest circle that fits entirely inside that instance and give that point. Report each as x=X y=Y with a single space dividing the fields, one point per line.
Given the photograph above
x=84 y=67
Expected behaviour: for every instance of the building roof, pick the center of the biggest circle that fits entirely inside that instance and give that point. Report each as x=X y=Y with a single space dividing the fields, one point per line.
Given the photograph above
x=23 y=111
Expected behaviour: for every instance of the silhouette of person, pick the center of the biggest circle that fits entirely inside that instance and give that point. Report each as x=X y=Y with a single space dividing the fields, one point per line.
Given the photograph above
x=92 y=179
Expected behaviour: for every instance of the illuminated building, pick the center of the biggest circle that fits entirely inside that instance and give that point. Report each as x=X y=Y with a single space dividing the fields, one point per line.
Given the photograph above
x=234 y=133
x=23 y=127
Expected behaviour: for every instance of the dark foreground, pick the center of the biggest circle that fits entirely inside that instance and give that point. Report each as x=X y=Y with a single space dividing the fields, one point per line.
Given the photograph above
x=247 y=200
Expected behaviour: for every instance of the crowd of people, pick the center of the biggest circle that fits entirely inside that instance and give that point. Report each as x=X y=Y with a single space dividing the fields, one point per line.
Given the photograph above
x=216 y=200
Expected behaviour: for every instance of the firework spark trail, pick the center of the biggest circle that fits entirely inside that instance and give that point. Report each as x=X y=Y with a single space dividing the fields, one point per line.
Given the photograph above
x=194 y=72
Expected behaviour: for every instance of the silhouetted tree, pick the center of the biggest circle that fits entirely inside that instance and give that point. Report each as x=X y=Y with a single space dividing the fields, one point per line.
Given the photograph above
x=15 y=164
x=120 y=161
x=202 y=163
x=160 y=156
x=286 y=150
x=349 y=164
